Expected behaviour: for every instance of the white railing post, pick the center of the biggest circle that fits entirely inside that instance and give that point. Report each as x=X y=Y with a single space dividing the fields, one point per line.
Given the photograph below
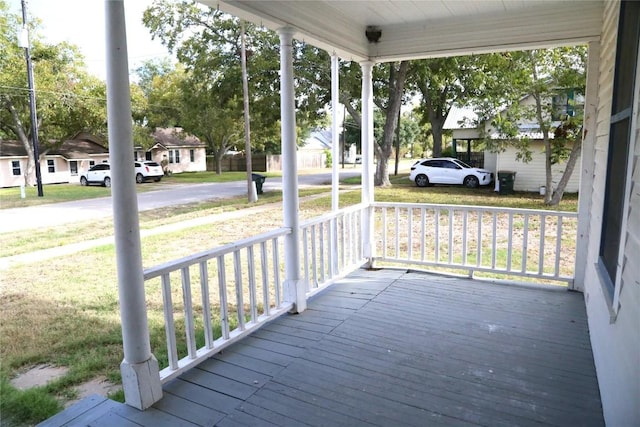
x=368 y=248
x=294 y=285
x=139 y=369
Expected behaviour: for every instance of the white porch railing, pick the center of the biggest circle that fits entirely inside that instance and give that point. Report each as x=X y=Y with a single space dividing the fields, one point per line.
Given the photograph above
x=228 y=276
x=241 y=284
x=331 y=247
x=501 y=241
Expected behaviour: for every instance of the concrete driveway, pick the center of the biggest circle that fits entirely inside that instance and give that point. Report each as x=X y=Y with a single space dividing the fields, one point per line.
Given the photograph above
x=83 y=210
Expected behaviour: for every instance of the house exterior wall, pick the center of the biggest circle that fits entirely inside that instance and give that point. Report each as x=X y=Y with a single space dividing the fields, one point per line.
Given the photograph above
x=61 y=174
x=615 y=338
x=199 y=163
x=531 y=176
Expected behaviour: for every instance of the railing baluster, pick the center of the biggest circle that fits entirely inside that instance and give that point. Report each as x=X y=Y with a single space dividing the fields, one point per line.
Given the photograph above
x=343 y=247
x=494 y=242
x=479 y=254
x=450 y=236
x=437 y=234
x=509 y=242
x=465 y=223
x=206 y=305
x=276 y=272
x=410 y=232
x=423 y=233
x=169 y=324
x=543 y=224
x=525 y=242
x=224 y=306
x=321 y=235
x=305 y=252
x=314 y=257
x=396 y=220
x=189 y=327
x=252 y=285
x=237 y=268
x=384 y=233
x=266 y=309
x=558 y=245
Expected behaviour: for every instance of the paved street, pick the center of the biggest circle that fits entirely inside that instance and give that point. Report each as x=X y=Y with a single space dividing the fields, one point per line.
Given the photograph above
x=82 y=210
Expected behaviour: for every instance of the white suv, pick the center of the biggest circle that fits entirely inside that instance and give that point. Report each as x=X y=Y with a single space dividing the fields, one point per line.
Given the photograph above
x=97 y=174
x=146 y=171
x=447 y=170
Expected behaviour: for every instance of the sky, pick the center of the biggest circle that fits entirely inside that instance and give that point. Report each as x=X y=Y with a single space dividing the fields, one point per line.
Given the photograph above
x=82 y=23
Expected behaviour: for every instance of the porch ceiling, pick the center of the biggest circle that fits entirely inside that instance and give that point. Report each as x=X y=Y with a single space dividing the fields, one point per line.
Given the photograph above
x=428 y=28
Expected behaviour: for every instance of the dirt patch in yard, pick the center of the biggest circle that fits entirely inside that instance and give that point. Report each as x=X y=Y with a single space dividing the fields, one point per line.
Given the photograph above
x=38 y=376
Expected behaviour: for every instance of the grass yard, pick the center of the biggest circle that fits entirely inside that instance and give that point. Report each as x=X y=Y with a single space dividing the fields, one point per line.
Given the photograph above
x=64 y=311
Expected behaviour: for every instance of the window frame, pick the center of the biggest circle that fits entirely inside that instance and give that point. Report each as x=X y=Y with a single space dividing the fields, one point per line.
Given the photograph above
x=192 y=155
x=51 y=166
x=619 y=114
x=15 y=168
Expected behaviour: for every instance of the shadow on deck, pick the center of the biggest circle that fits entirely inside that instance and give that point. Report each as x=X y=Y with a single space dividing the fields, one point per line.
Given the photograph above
x=391 y=348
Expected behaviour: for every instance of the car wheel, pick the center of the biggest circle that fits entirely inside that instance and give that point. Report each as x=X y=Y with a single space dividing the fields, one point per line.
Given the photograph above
x=139 y=178
x=422 y=180
x=471 y=181
x=157 y=179
x=83 y=181
x=107 y=182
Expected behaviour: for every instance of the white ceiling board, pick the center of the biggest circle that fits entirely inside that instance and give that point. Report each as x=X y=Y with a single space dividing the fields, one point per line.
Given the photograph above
x=420 y=29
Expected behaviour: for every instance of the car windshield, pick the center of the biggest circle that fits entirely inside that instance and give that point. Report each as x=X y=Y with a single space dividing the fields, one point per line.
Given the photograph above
x=463 y=164
x=151 y=164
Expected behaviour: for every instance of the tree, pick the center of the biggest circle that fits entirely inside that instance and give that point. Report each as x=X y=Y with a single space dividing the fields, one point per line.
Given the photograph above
x=207 y=42
x=68 y=99
x=443 y=82
x=545 y=75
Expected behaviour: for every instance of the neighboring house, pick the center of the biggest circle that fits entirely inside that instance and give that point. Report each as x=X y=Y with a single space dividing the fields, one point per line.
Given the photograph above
x=61 y=164
x=180 y=151
x=531 y=175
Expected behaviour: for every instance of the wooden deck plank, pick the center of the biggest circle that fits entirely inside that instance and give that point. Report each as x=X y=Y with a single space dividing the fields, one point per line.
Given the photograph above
x=111 y=419
x=234 y=372
x=188 y=410
x=204 y=396
x=85 y=405
x=394 y=348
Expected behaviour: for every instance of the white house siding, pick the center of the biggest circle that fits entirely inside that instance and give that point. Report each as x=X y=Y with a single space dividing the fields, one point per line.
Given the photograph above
x=615 y=339
x=185 y=165
x=531 y=176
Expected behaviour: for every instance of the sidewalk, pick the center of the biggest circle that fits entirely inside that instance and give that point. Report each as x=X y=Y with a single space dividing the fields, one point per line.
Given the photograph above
x=49 y=253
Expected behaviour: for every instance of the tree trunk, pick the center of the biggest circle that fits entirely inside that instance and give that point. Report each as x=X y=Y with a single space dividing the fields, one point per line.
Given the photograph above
x=436 y=131
x=29 y=173
x=397 y=78
x=566 y=175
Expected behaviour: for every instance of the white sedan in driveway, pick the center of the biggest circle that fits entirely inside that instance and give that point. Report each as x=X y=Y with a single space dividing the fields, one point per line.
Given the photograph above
x=447 y=170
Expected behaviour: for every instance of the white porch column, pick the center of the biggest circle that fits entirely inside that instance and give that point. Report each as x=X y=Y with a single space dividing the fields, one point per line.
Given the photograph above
x=335 y=159
x=294 y=286
x=587 y=165
x=367 y=160
x=335 y=136
x=140 y=372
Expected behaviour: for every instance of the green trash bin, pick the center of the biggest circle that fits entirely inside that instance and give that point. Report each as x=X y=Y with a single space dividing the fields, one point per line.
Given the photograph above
x=259 y=180
x=506 y=179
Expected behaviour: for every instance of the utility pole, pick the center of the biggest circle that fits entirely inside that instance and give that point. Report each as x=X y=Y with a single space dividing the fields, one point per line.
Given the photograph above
x=253 y=197
x=24 y=43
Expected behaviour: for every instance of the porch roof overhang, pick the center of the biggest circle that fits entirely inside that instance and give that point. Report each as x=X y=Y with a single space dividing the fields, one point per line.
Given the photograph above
x=423 y=29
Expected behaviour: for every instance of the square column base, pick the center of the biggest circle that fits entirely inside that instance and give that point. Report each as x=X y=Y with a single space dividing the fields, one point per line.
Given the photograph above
x=141 y=383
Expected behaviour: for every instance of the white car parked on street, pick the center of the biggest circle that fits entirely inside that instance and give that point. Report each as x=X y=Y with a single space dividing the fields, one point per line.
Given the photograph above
x=447 y=170
x=101 y=173
x=147 y=170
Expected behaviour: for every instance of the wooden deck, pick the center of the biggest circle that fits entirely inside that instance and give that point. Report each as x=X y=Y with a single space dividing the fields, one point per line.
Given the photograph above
x=391 y=348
